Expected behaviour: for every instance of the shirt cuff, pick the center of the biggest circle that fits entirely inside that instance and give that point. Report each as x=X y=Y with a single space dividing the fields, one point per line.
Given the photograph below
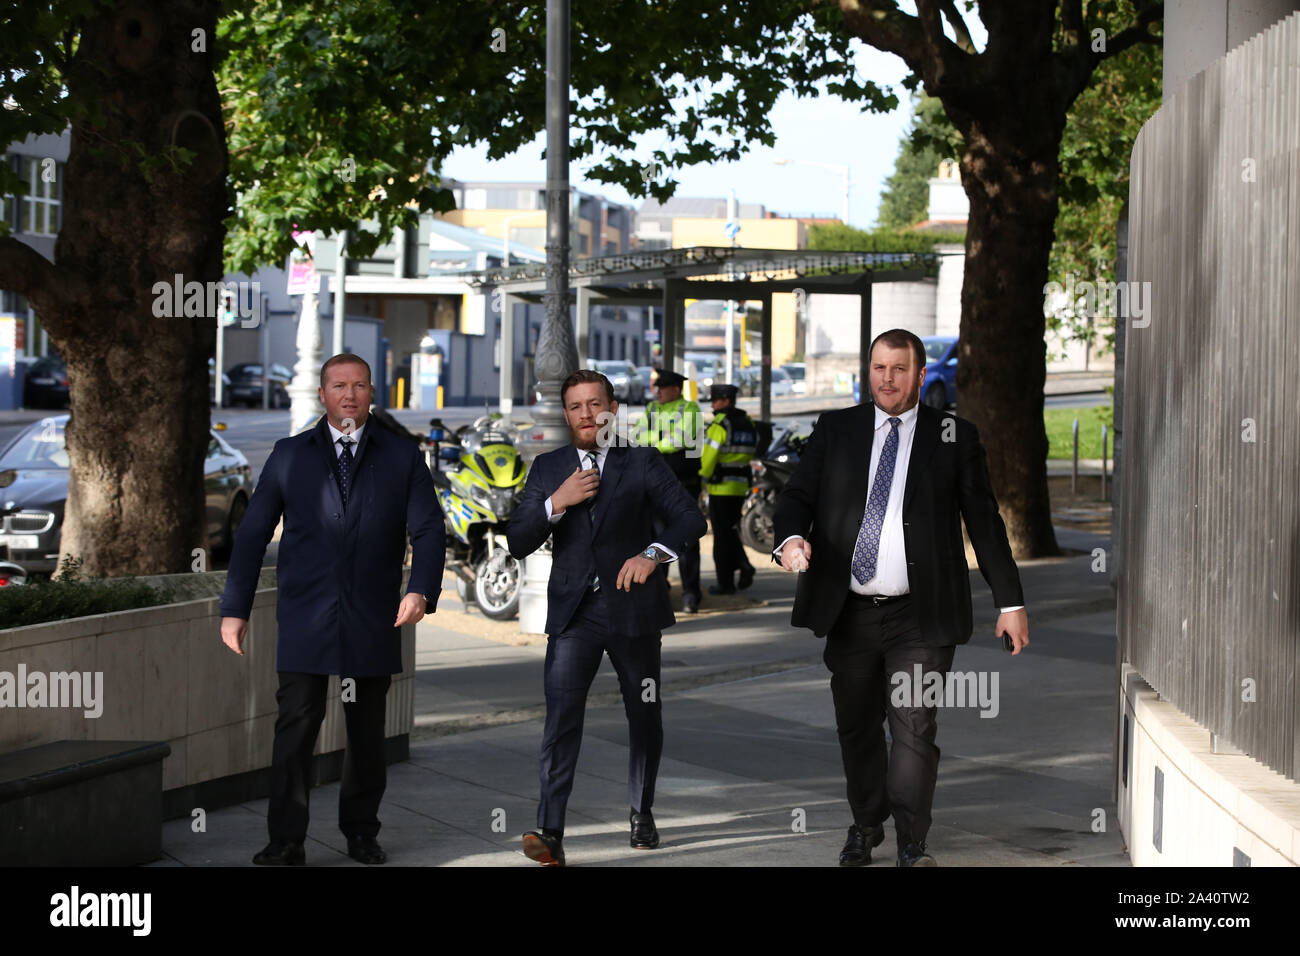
x=550 y=517
x=672 y=555
x=1008 y=610
x=776 y=552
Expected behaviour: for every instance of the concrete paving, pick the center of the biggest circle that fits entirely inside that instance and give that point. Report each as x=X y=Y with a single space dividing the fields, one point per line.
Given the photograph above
x=751 y=774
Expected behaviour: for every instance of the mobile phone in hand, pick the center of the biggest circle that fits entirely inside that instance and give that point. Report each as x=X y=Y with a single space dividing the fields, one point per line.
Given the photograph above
x=1007 y=643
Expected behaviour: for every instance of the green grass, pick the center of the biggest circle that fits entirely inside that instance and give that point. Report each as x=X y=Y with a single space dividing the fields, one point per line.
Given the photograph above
x=1059 y=423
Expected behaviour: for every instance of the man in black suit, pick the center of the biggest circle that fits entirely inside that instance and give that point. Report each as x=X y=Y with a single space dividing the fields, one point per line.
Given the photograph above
x=873 y=514
x=601 y=501
x=349 y=494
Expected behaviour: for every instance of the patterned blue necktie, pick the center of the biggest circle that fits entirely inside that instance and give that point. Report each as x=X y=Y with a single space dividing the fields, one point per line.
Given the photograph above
x=345 y=467
x=867 y=549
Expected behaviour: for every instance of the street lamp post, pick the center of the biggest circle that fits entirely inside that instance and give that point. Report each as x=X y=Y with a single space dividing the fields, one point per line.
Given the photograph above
x=557 y=356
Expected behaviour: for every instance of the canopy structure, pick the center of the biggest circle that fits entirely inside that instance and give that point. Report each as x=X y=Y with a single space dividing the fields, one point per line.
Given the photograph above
x=668 y=277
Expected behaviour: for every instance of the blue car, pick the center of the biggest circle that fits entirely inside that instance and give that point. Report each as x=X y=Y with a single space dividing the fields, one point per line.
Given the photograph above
x=940 y=388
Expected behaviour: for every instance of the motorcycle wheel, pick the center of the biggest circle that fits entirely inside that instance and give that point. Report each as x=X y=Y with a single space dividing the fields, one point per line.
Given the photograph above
x=756 y=529
x=497 y=583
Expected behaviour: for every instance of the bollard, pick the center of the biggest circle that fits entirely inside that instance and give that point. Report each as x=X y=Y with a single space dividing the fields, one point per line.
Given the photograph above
x=1074 y=468
x=1103 y=462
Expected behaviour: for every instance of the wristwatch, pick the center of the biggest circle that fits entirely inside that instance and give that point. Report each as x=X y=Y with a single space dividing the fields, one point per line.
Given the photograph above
x=654 y=554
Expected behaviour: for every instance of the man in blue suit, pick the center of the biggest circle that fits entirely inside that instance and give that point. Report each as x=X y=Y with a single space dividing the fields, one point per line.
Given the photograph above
x=600 y=501
x=349 y=495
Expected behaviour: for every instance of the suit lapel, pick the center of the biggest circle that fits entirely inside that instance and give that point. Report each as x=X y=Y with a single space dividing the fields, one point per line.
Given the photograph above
x=609 y=479
x=333 y=501
x=923 y=444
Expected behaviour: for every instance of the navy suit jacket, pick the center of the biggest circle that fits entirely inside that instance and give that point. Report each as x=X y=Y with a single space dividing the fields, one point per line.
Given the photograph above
x=339 y=571
x=637 y=494
x=947 y=481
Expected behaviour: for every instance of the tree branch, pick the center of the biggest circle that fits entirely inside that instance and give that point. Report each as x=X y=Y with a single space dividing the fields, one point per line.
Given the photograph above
x=26 y=271
x=964 y=41
x=924 y=48
x=1072 y=19
x=1138 y=33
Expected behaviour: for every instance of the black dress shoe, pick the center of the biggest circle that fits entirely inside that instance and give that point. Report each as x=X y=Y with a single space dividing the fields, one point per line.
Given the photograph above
x=366 y=849
x=746 y=579
x=714 y=589
x=281 y=853
x=690 y=604
x=645 y=836
x=545 y=848
x=857 y=848
x=913 y=854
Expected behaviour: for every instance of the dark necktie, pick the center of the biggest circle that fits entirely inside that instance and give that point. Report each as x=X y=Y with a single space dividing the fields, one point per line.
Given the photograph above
x=345 y=467
x=867 y=548
x=592 y=462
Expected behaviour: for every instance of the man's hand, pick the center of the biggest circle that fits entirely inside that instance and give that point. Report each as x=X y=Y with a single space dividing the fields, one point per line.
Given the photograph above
x=1015 y=623
x=577 y=488
x=233 y=632
x=635 y=571
x=411 y=610
x=796 y=555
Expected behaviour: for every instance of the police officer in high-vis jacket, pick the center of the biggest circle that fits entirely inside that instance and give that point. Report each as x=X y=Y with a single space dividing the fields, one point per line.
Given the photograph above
x=729 y=447
x=672 y=424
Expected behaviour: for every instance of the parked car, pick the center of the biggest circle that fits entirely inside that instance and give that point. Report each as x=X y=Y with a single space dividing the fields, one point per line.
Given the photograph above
x=46 y=384
x=623 y=376
x=798 y=372
x=34 y=489
x=246 y=385
x=940 y=389
x=645 y=373
x=781 y=383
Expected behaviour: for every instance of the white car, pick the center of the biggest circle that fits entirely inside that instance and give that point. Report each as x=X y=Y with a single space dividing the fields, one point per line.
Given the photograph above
x=782 y=384
x=798 y=372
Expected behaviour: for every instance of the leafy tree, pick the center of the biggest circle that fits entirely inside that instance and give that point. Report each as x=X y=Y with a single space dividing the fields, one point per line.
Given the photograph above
x=203 y=133
x=905 y=199
x=1009 y=102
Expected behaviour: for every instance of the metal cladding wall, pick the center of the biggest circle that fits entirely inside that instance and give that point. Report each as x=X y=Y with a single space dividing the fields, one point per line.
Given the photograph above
x=1209 y=601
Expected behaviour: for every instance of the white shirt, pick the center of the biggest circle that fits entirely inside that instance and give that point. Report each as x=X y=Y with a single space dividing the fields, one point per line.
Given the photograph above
x=601 y=454
x=890 y=579
x=335 y=435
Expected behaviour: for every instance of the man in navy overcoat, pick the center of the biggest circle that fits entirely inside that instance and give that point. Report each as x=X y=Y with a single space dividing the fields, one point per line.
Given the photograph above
x=349 y=495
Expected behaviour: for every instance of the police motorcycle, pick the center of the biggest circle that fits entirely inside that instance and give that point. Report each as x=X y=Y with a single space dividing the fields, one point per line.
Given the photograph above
x=772 y=466
x=479 y=476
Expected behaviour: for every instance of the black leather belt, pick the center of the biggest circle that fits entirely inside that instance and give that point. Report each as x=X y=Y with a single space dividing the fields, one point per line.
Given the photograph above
x=878 y=600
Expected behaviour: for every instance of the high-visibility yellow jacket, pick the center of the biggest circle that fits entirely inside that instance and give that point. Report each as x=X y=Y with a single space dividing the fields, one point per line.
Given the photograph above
x=729 y=447
x=669 y=428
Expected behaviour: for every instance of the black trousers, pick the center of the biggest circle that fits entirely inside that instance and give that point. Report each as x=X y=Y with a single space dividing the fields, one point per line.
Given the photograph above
x=865 y=647
x=365 y=772
x=572 y=658
x=728 y=550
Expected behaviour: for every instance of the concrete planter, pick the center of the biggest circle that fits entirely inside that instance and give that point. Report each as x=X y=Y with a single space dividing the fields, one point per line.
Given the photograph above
x=166 y=676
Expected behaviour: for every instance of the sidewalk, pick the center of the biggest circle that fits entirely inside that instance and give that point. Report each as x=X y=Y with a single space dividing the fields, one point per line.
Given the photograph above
x=750 y=750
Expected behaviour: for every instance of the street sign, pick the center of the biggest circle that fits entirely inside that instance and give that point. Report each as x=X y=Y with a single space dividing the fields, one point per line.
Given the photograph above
x=732 y=228
x=652 y=335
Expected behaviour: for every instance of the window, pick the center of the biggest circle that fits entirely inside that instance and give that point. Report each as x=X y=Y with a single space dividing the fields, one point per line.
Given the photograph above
x=40 y=212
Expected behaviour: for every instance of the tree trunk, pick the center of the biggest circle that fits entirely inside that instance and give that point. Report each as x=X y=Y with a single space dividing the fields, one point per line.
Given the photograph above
x=136 y=214
x=1010 y=174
